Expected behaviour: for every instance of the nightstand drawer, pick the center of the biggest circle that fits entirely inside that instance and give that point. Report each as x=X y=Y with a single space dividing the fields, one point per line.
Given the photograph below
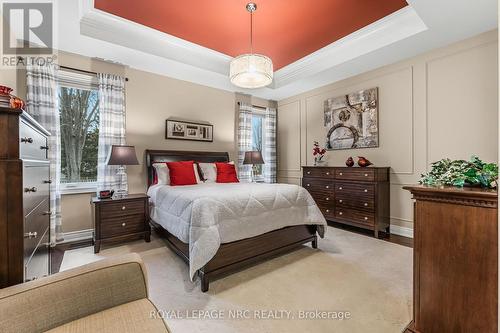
x=122 y=208
x=122 y=225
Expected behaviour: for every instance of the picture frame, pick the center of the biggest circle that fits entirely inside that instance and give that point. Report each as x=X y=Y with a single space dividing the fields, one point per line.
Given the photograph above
x=189 y=130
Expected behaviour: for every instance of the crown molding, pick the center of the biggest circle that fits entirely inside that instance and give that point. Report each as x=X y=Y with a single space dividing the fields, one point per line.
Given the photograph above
x=113 y=29
x=397 y=26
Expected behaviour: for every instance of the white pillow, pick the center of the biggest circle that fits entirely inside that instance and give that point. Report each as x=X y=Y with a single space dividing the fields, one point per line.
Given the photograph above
x=163 y=173
x=209 y=171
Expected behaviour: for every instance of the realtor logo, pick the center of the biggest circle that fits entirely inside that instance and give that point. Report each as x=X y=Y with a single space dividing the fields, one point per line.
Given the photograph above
x=28 y=28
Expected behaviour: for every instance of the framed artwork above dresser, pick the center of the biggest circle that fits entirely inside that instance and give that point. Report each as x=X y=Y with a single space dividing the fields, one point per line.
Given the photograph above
x=354 y=196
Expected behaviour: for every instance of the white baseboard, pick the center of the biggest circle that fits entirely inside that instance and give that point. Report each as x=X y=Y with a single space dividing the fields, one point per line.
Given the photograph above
x=75 y=236
x=401 y=231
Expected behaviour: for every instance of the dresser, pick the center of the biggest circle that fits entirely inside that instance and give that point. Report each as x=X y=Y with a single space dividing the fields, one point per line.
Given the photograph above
x=455 y=260
x=355 y=196
x=24 y=198
x=121 y=219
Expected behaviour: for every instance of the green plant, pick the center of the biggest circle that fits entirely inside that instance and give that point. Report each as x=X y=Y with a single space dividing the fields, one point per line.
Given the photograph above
x=460 y=172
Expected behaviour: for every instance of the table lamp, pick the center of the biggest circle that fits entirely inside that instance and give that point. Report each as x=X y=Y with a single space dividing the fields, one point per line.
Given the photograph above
x=254 y=158
x=122 y=155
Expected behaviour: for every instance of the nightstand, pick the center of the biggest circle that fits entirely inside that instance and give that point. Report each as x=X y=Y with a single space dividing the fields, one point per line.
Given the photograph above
x=121 y=219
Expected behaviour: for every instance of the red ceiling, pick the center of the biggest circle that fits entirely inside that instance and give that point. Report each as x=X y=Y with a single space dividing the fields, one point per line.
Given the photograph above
x=284 y=30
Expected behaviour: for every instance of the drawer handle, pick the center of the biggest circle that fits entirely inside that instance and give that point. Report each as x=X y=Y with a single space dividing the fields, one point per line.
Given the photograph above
x=123 y=207
x=341 y=174
x=366 y=204
x=340 y=213
x=27 y=140
x=44 y=147
x=308 y=185
x=340 y=188
x=308 y=172
x=124 y=224
x=340 y=201
x=366 y=218
x=47 y=181
x=48 y=212
x=366 y=175
x=327 y=199
x=31 y=235
x=328 y=211
x=327 y=173
x=30 y=189
x=366 y=190
x=327 y=186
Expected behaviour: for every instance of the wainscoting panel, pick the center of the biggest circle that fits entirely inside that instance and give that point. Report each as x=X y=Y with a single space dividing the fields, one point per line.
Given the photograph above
x=440 y=104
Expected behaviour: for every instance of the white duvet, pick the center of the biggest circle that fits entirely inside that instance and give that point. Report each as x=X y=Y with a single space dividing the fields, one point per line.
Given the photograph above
x=207 y=215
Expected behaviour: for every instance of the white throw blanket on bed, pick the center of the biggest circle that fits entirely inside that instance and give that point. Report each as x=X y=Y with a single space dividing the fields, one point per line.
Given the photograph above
x=208 y=215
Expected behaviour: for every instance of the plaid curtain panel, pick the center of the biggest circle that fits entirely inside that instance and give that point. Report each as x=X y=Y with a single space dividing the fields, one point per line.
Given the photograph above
x=111 y=130
x=269 y=150
x=42 y=104
x=244 y=141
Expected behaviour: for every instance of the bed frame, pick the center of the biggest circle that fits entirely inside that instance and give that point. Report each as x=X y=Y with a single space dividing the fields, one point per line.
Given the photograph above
x=236 y=255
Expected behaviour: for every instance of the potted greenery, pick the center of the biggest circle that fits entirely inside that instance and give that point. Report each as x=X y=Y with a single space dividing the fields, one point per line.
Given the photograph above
x=462 y=173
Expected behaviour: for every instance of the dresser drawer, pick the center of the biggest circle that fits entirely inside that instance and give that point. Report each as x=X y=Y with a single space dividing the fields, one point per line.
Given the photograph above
x=363 y=174
x=319 y=172
x=33 y=145
x=122 y=225
x=38 y=265
x=35 y=184
x=328 y=211
x=122 y=208
x=354 y=189
x=315 y=184
x=361 y=203
x=355 y=216
x=35 y=225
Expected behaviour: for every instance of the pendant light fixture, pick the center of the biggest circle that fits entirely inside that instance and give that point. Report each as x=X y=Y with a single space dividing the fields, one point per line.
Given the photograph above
x=251 y=70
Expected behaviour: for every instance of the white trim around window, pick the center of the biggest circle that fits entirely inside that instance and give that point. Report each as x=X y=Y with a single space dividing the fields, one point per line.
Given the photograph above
x=78 y=188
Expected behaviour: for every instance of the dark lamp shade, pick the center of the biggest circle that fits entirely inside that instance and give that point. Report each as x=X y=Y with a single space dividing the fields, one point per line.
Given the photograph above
x=122 y=155
x=253 y=157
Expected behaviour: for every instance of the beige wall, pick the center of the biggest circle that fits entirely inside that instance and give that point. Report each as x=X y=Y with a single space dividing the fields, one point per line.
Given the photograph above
x=150 y=100
x=440 y=104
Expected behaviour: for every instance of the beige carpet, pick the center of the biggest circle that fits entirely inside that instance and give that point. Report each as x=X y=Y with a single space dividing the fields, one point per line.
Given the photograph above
x=369 y=278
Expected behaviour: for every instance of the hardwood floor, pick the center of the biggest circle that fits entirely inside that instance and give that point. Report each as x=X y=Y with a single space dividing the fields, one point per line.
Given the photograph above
x=396 y=239
x=57 y=252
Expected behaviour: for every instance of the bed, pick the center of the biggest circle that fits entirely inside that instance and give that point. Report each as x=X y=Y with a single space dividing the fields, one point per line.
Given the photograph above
x=220 y=228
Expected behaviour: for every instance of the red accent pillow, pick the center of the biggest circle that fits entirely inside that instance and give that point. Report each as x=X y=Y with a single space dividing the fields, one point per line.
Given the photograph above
x=226 y=173
x=182 y=173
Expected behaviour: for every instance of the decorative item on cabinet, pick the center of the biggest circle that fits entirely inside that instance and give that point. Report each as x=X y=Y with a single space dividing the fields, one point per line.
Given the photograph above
x=455 y=259
x=355 y=196
x=349 y=162
x=460 y=172
x=318 y=153
x=363 y=162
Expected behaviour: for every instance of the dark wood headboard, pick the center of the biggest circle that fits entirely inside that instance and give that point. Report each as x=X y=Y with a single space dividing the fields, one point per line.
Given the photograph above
x=153 y=156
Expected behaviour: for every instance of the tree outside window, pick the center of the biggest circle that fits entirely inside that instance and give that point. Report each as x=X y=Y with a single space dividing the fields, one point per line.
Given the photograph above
x=79 y=121
x=257 y=139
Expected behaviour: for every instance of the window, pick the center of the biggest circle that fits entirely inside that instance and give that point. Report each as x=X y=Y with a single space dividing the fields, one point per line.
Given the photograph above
x=79 y=127
x=258 y=137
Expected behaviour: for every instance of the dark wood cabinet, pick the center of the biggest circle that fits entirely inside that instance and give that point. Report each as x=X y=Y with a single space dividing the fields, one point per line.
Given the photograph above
x=355 y=196
x=121 y=219
x=455 y=263
x=24 y=198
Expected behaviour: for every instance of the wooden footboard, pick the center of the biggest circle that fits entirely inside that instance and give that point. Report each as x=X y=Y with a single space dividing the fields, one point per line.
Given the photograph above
x=236 y=255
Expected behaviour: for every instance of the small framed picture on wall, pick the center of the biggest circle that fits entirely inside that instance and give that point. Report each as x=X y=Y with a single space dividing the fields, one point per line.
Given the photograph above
x=187 y=130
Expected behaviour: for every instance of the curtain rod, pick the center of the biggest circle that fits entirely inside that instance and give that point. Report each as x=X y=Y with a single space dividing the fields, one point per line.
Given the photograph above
x=82 y=71
x=256 y=106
